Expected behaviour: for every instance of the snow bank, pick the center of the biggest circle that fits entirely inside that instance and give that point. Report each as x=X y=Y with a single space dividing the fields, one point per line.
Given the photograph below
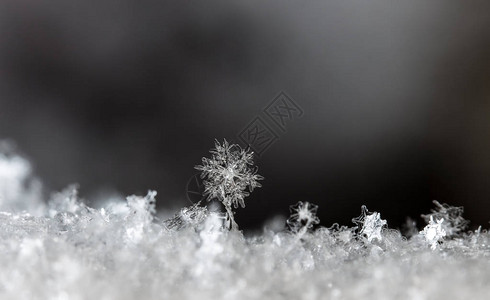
x=67 y=250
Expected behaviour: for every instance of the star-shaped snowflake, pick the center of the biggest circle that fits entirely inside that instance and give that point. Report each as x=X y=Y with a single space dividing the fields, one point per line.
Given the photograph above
x=434 y=232
x=454 y=223
x=228 y=174
x=371 y=224
x=303 y=216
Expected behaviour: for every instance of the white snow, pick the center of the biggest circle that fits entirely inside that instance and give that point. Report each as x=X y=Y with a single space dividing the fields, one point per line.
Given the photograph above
x=68 y=250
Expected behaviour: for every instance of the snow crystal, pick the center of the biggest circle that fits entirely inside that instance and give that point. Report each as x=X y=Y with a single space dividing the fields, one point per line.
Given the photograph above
x=227 y=175
x=371 y=224
x=68 y=250
x=434 y=232
x=454 y=223
x=303 y=217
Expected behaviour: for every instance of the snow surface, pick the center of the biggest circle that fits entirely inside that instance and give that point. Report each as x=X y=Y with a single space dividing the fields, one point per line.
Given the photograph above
x=67 y=250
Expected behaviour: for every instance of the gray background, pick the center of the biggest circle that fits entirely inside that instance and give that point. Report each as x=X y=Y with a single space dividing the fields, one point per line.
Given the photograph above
x=128 y=96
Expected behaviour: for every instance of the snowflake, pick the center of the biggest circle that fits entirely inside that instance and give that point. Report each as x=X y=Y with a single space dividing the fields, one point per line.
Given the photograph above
x=371 y=224
x=434 y=232
x=188 y=216
x=229 y=175
x=303 y=216
x=454 y=223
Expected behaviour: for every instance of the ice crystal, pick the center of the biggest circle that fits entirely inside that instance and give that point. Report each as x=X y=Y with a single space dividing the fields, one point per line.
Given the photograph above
x=454 y=223
x=371 y=224
x=229 y=176
x=434 y=232
x=303 y=217
x=190 y=216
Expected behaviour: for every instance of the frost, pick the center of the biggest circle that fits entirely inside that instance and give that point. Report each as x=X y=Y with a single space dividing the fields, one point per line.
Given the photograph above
x=122 y=250
x=371 y=224
x=434 y=232
x=227 y=176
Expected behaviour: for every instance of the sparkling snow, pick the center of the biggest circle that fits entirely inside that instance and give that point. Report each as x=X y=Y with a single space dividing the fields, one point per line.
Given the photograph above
x=67 y=250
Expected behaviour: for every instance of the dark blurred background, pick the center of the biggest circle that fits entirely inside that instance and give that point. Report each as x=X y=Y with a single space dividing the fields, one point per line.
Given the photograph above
x=129 y=95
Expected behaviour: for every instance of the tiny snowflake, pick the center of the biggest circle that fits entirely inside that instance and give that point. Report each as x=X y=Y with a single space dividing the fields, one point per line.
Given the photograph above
x=303 y=216
x=371 y=224
x=188 y=216
x=229 y=175
x=434 y=232
x=454 y=223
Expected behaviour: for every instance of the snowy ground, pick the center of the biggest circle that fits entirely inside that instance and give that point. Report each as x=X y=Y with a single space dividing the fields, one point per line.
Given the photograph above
x=67 y=250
